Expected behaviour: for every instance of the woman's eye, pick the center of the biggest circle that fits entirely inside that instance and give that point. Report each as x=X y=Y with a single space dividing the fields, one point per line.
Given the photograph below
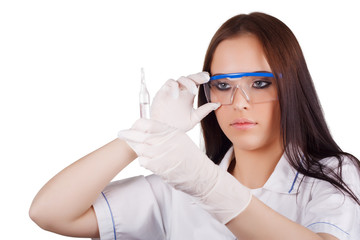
x=222 y=86
x=261 y=84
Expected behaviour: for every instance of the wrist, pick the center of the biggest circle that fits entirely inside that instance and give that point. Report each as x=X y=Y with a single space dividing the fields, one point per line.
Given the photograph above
x=124 y=150
x=227 y=199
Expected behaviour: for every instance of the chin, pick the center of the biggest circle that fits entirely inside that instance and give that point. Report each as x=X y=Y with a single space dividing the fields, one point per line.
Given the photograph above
x=247 y=148
x=248 y=144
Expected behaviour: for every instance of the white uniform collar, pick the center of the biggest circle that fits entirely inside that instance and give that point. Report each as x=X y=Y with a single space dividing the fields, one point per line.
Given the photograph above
x=284 y=178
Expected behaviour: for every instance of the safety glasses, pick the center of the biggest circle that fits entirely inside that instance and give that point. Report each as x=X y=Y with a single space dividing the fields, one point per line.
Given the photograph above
x=255 y=87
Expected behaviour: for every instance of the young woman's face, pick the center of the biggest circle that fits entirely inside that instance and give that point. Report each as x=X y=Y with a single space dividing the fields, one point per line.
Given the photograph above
x=249 y=126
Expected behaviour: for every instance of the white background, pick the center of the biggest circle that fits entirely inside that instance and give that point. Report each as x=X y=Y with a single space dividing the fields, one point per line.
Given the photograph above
x=70 y=73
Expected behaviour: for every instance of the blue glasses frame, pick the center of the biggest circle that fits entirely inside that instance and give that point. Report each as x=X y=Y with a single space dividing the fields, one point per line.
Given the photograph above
x=235 y=76
x=240 y=75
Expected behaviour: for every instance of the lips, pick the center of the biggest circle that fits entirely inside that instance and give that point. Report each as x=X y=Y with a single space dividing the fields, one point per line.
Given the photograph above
x=243 y=124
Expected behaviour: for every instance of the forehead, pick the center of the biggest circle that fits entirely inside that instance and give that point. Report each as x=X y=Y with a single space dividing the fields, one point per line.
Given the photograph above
x=242 y=53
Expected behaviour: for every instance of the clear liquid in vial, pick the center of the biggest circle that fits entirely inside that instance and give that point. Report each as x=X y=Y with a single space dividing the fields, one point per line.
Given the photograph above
x=145 y=110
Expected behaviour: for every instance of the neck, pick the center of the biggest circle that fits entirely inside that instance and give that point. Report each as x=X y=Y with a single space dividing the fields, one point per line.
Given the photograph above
x=254 y=167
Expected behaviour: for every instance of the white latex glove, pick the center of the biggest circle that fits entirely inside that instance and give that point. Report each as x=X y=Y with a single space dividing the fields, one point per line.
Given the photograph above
x=173 y=103
x=171 y=154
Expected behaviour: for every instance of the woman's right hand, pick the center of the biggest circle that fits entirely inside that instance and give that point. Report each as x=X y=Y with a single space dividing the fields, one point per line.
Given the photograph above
x=171 y=154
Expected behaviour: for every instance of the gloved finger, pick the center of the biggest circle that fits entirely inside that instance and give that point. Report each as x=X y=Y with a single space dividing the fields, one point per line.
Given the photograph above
x=144 y=149
x=142 y=143
x=204 y=110
x=134 y=136
x=156 y=165
x=200 y=78
x=151 y=126
x=153 y=139
x=171 y=87
x=141 y=149
x=147 y=162
x=144 y=161
x=189 y=84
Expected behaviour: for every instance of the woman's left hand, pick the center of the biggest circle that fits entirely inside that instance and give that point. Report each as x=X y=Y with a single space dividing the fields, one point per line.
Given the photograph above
x=173 y=103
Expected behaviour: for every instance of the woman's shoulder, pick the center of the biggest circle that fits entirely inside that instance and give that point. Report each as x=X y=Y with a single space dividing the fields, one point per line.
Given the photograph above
x=345 y=167
x=333 y=161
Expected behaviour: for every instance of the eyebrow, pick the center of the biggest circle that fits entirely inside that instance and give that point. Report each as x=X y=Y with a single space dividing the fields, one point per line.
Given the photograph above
x=240 y=72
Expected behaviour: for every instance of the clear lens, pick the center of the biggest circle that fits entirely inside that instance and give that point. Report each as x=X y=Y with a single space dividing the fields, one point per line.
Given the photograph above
x=253 y=89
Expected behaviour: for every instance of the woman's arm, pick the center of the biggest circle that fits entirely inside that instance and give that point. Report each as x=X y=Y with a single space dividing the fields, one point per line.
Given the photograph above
x=258 y=221
x=64 y=204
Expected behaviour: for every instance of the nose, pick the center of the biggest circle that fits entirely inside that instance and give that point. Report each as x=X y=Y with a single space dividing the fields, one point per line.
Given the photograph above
x=240 y=99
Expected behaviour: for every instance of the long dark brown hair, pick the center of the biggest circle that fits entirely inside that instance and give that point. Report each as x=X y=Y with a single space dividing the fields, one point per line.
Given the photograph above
x=306 y=136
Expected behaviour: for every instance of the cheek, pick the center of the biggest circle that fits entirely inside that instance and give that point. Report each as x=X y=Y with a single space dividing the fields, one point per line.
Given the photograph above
x=274 y=115
x=269 y=118
x=222 y=117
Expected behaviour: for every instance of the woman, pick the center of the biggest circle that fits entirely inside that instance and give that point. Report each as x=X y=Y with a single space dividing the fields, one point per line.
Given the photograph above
x=280 y=173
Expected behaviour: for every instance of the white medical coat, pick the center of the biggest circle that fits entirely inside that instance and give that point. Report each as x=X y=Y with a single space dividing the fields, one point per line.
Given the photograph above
x=148 y=208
